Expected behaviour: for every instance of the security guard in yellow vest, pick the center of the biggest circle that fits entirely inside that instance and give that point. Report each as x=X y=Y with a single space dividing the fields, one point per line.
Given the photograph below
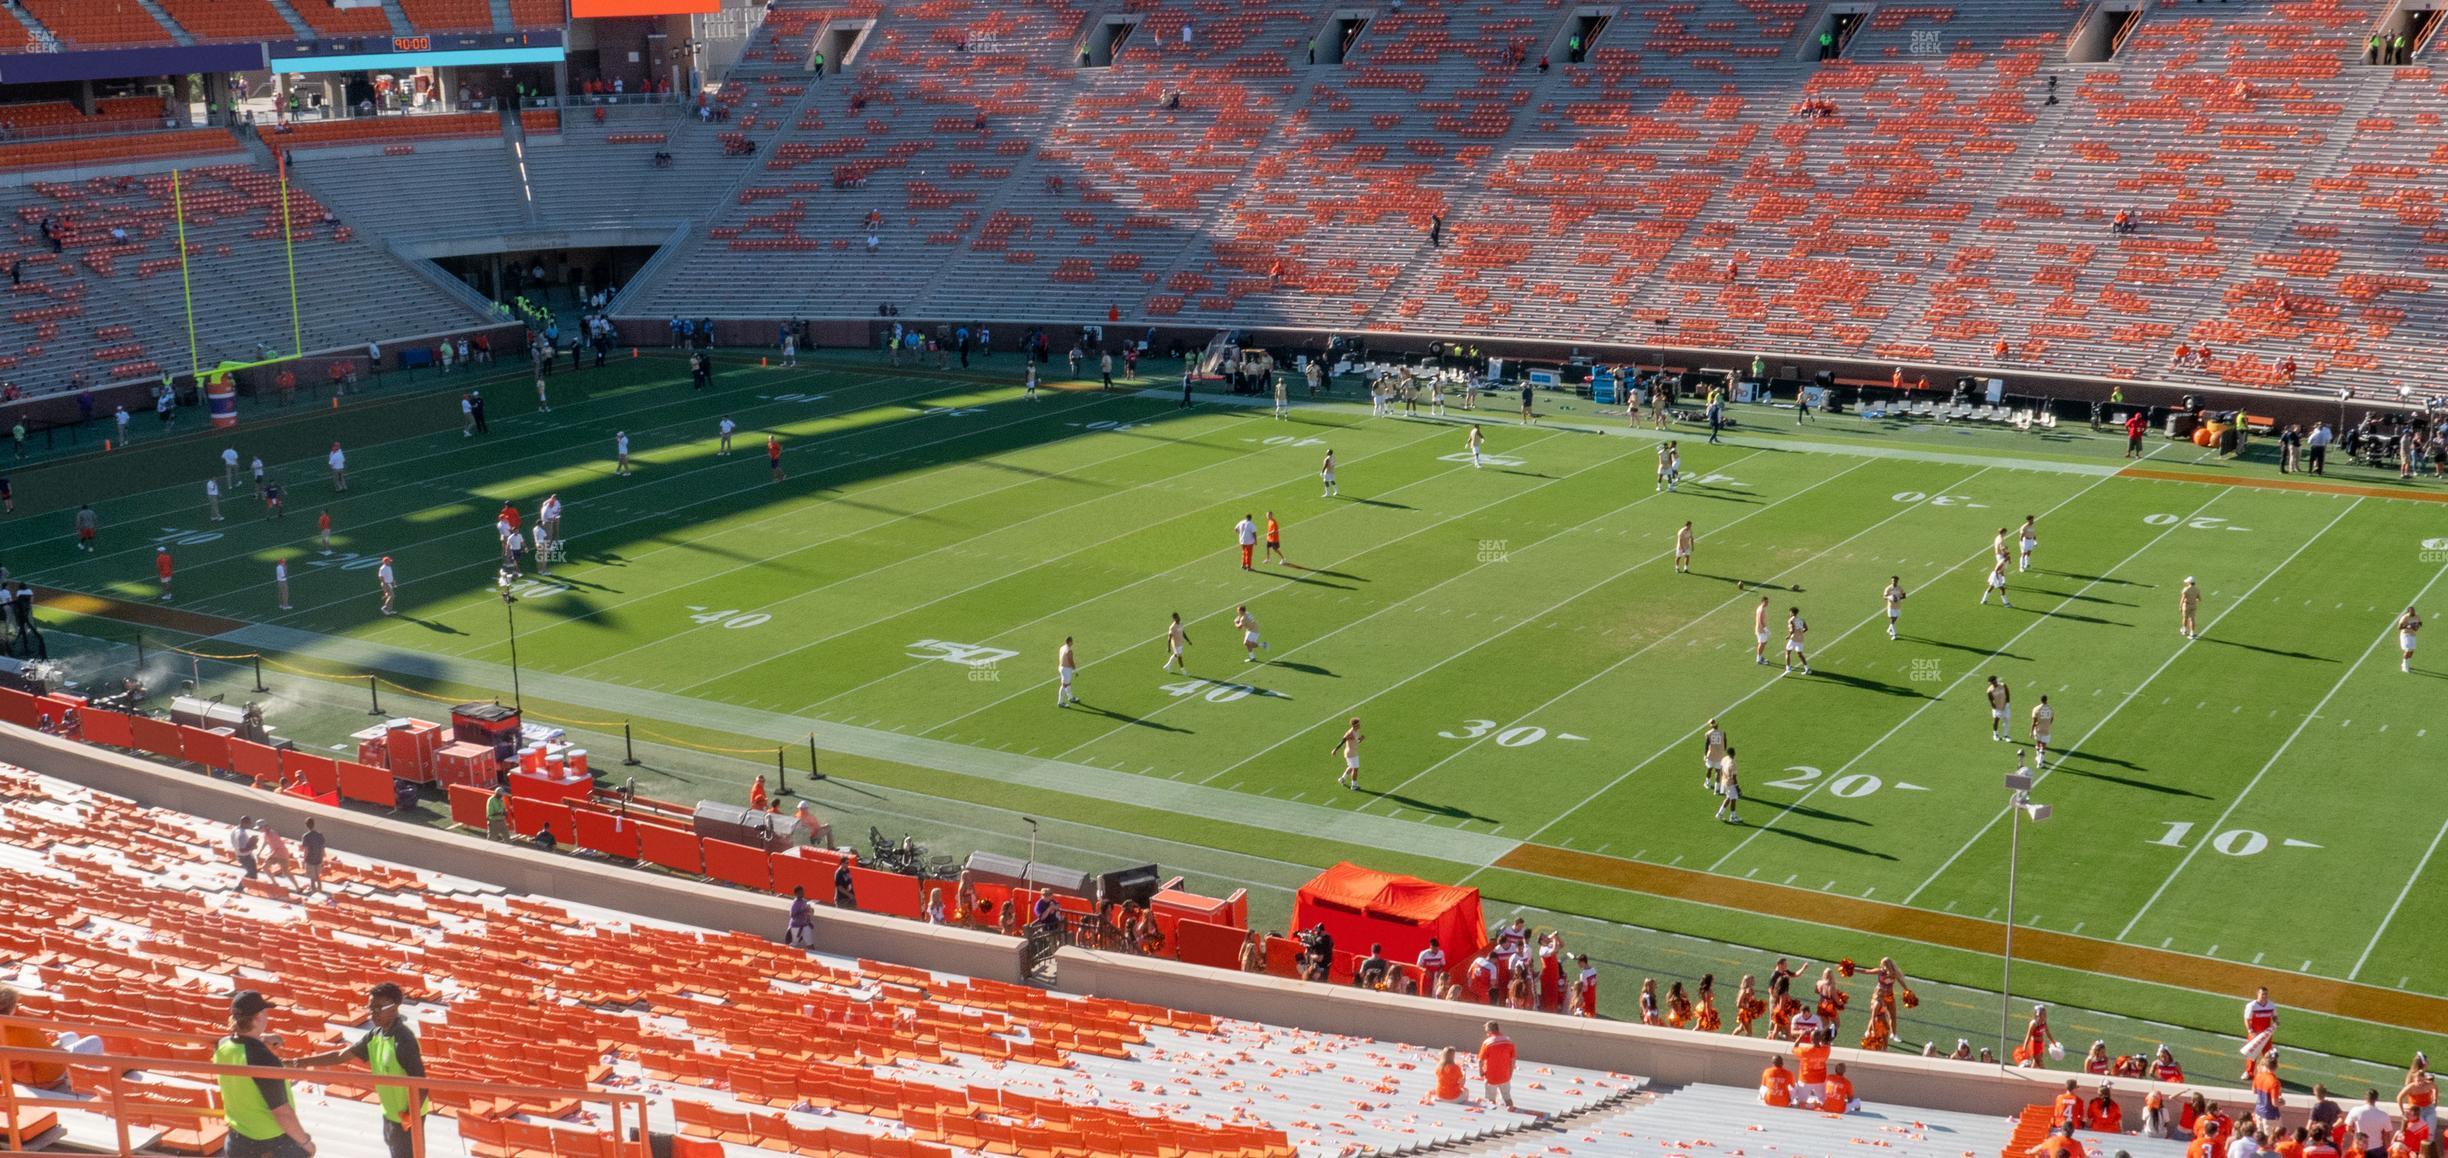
x=263 y=1123
x=388 y=1049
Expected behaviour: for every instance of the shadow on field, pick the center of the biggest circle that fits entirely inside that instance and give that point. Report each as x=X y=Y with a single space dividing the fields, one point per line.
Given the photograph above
x=1870 y=685
x=2103 y=579
x=1747 y=584
x=2128 y=781
x=1304 y=669
x=2062 y=613
x=1385 y=504
x=1824 y=842
x=433 y=626
x=1821 y=814
x=1326 y=571
x=1288 y=578
x=1142 y=721
x=1424 y=806
x=1050 y=476
x=2097 y=599
x=880 y=509
x=2270 y=650
x=2096 y=758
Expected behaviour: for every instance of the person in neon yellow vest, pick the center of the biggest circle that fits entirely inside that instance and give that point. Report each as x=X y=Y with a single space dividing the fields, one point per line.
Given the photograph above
x=390 y=1050
x=263 y=1121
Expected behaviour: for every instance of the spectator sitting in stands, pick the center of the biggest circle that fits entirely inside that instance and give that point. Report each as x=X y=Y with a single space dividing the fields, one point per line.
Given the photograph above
x=1448 y=1078
x=662 y=159
x=40 y=1075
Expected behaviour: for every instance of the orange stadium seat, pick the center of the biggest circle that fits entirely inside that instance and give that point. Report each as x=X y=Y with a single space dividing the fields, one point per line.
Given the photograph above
x=98 y=22
x=329 y=20
x=448 y=15
x=228 y=19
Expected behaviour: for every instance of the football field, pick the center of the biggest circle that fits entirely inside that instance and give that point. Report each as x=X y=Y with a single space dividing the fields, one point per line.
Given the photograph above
x=1531 y=674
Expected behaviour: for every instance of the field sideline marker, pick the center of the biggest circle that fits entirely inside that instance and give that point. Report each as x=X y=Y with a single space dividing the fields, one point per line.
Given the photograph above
x=2119 y=706
x=2386 y=636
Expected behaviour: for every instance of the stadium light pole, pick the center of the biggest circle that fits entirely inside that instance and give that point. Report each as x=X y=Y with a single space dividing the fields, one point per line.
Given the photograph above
x=2019 y=802
x=510 y=601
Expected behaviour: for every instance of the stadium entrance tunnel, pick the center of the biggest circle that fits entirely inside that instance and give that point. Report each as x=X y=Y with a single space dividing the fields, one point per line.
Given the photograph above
x=1826 y=39
x=1333 y=41
x=1103 y=44
x=2413 y=21
x=2103 y=30
x=560 y=279
x=1578 y=36
x=837 y=47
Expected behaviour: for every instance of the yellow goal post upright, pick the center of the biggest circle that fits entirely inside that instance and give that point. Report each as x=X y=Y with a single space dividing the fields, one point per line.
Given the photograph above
x=297 y=325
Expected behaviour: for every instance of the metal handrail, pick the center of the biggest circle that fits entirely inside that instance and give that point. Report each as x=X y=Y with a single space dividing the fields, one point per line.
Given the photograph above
x=115 y=1065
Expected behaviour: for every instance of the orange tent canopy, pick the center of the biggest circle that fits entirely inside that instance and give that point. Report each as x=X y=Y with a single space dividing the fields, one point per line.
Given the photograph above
x=1361 y=906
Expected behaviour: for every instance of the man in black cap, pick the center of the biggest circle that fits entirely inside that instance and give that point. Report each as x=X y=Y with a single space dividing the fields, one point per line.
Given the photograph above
x=263 y=1122
x=389 y=1049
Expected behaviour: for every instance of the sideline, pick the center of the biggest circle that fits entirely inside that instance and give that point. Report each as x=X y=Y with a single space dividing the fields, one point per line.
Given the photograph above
x=2183 y=971
x=2280 y=484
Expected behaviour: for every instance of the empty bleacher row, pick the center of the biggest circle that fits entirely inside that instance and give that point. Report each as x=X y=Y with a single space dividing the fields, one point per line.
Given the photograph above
x=1943 y=194
x=108 y=303
x=124 y=915
x=78 y=24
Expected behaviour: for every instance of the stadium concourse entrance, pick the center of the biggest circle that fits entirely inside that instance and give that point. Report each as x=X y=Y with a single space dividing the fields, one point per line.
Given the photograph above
x=564 y=281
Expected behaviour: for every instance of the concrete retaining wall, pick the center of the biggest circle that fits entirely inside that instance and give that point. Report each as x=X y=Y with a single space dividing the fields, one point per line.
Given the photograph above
x=1665 y=1055
x=515 y=867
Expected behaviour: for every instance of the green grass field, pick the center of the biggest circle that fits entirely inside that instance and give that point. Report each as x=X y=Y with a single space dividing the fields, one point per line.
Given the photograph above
x=1530 y=672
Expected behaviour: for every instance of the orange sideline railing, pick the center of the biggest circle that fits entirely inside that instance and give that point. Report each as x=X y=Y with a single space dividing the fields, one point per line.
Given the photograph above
x=114 y=1067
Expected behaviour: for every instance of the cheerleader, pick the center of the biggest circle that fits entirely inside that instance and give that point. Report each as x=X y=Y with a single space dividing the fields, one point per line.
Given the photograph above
x=1588 y=981
x=1891 y=986
x=2037 y=1041
x=1880 y=1030
x=2164 y=1067
x=1831 y=999
x=2097 y=1061
x=1709 y=1021
x=1649 y=1002
x=1551 y=972
x=1747 y=1006
x=1781 y=1009
x=1678 y=1007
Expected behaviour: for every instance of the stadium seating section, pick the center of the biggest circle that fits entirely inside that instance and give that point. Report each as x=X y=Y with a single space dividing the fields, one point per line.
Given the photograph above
x=124 y=915
x=106 y=308
x=449 y=15
x=1942 y=195
x=327 y=20
x=98 y=23
x=229 y=19
x=1671 y=187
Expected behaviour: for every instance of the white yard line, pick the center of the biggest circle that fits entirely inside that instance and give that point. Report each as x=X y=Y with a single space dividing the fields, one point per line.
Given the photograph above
x=492 y=557
x=366 y=471
x=870 y=573
x=1454 y=578
x=2399 y=902
x=991 y=580
x=1703 y=617
x=1204 y=559
x=2128 y=698
x=1969 y=671
x=2386 y=636
x=1543 y=613
x=1686 y=738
